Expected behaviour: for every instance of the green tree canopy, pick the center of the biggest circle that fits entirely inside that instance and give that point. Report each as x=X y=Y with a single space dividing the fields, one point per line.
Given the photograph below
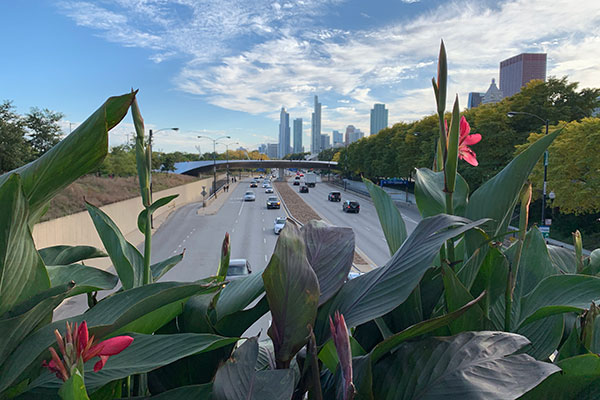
x=14 y=149
x=43 y=129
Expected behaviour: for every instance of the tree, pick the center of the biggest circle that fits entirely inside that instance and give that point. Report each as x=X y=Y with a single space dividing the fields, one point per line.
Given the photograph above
x=168 y=163
x=325 y=155
x=43 y=129
x=14 y=150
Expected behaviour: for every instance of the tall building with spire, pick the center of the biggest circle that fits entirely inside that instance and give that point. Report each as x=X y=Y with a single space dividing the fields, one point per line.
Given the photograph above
x=493 y=94
x=315 y=131
x=284 y=134
x=297 y=135
x=379 y=118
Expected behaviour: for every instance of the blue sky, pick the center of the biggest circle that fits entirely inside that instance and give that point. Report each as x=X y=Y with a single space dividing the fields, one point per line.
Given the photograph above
x=226 y=67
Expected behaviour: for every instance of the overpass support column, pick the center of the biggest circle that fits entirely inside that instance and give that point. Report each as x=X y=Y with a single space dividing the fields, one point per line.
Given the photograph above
x=281 y=177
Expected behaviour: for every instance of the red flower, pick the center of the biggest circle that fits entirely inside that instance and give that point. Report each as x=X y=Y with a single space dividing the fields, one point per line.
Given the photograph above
x=77 y=348
x=339 y=332
x=465 y=140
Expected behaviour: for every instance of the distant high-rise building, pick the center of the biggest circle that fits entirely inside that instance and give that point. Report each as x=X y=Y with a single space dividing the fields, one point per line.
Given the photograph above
x=516 y=71
x=338 y=138
x=272 y=149
x=349 y=131
x=493 y=94
x=353 y=134
x=474 y=99
x=325 y=142
x=284 y=133
x=379 y=118
x=297 y=135
x=262 y=149
x=315 y=131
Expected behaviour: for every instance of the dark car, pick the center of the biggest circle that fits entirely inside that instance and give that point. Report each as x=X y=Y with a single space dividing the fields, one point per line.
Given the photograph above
x=273 y=202
x=351 y=206
x=304 y=189
x=253 y=184
x=296 y=183
x=334 y=196
x=238 y=268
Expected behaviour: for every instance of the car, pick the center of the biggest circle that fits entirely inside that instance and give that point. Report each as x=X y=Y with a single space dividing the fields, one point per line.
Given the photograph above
x=296 y=182
x=304 y=189
x=273 y=202
x=249 y=196
x=351 y=206
x=334 y=196
x=279 y=225
x=352 y=275
x=238 y=268
x=269 y=189
x=253 y=184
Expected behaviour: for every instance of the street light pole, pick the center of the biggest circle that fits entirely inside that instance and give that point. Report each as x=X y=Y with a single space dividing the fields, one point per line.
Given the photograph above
x=149 y=161
x=227 y=156
x=546 y=122
x=214 y=158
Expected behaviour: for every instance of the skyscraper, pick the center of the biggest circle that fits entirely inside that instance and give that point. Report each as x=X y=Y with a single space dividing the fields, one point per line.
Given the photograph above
x=474 y=99
x=297 y=135
x=379 y=118
x=338 y=137
x=315 y=131
x=516 y=71
x=284 y=134
x=325 y=142
x=272 y=149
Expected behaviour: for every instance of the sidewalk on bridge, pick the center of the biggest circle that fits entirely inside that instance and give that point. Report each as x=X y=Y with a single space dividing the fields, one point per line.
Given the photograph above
x=214 y=205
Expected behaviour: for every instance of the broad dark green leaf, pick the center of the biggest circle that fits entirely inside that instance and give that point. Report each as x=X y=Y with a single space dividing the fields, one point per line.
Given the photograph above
x=22 y=272
x=380 y=291
x=87 y=279
x=289 y=281
x=161 y=268
x=187 y=392
x=563 y=259
x=497 y=198
x=143 y=169
x=471 y=365
x=430 y=195
x=558 y=294
x=109 y=315
x=330 y=252
x=492 y=278
x=390 y=218
x=457 y=296
x=73 y=157
x=126 y=259
x=65 y=255
x=545 y=336
x=578 y=373
x=238 y=379
x=238 y=294
x=419 y=329
x=155 y=206
x=237 y=323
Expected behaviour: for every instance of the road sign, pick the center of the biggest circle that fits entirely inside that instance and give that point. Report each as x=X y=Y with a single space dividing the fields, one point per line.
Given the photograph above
x=545 y=231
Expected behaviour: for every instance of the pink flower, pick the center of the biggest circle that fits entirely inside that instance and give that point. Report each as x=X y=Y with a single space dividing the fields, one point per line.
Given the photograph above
x=339 y=332
x=77 y=348
x=465 y=140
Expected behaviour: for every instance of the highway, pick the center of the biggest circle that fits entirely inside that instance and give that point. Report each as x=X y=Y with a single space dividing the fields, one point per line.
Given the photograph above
x=367 y=229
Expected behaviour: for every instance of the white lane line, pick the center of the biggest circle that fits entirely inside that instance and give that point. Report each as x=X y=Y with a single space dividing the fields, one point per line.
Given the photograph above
x=263 y=228
x=265 y=239
x=232 y=230
x=367 y=228
x=241 y=208
x=263 y=220
x=265 y=258
x=179 y=246
x=236 y=221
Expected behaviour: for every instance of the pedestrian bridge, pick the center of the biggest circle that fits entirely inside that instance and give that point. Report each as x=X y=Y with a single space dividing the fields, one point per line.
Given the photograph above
x=197 y=167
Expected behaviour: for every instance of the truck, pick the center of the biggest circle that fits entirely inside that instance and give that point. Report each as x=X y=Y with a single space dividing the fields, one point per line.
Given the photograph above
x=310 y=179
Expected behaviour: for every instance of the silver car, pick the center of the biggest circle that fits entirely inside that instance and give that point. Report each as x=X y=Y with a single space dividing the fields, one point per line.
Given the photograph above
x=237 y=268
x=249 y=196
x=269 y=189
x=279 y=225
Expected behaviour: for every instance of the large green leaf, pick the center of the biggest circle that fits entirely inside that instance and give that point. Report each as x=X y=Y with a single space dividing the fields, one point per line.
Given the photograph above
x=471 y=365
x=143 y=169
x=419 y=329
x=289 y=281
x=497 y=198
x=73 y=157
x=146 y=353
x=238 y=379
x=563 y=259
x=430 y=195
x=238 y=294
x=390 y=218
x=24 y=318
x=237 y=323
x=545 y=336
x=330 y=252
x=187 y=392
x=87 y=279
x=155 y=206
x=456 y=296
x=126 y=259
x=380 y=291
x=558 y=294
x=161 y=268
x=73 y=388
x=65 y=255
x=578 y=373
x=109 y=315
x=22 y=272
x=492 y=278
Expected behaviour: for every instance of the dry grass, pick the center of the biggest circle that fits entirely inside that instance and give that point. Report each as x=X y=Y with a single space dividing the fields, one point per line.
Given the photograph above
x=101 y=191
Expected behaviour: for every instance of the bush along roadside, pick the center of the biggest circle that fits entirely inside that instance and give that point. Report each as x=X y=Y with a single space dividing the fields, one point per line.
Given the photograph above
x=452 y=314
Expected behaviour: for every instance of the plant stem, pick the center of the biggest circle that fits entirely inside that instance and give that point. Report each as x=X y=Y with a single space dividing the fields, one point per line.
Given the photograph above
x=508 y=298
x=314 y=367
x=147 y=249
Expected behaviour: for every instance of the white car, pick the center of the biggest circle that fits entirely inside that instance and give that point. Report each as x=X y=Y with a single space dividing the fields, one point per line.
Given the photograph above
x=269 y=189
x=249 y=196
x=279 y=225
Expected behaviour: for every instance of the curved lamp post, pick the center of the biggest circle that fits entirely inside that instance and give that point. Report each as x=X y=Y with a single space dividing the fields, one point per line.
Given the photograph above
x=214 y=157
x=546 y=122
x=227 y=155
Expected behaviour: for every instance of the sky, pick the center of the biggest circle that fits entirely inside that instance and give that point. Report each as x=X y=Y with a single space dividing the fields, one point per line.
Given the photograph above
x=226 y=67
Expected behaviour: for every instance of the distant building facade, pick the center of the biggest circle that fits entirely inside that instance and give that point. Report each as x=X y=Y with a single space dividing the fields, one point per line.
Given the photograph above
x=315 y=131
x=325 y=142
x=262 y=148
x=379 y=118
x=284 y=134
x=516 y=71
x=297 y=136
x=353 y=134
x=474 y=99
x=272 y=149
x=338 y=138
x=493 y=94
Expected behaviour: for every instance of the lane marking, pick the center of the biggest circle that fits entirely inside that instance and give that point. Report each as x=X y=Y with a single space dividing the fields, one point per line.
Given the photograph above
x=265 y=258
x=232 y=230
x=265 y=239
x=241 y=208
x=263 y=228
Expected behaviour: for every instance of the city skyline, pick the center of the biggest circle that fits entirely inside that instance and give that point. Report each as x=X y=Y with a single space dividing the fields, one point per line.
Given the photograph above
x=225 y=69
